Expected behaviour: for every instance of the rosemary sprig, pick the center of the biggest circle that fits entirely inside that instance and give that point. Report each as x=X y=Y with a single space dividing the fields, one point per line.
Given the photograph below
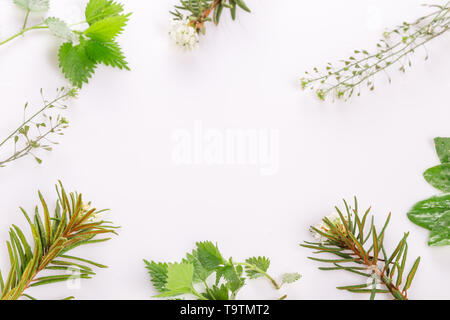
x=74 y=223
x=199 y=11
x=360 y=249
x=175 y=279
x=343 y=80
x=35 y=132
x=190 y=16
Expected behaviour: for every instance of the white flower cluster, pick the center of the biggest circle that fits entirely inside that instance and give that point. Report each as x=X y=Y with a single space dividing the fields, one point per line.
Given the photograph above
x=184 y=35
x=95 y=217
x=322 y=226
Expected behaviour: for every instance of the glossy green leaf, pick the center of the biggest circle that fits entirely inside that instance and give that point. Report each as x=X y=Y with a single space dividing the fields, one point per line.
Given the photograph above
x=439 y=177
x=440 y=235
x=426 y=213
x=443 y=149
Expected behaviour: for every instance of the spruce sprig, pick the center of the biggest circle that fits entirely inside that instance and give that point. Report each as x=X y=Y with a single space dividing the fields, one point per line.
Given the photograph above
x=206 y=261
x=199 y=11
x=82 y=51
x=359 y=249
x=36 y=132
x=73 y=224
x=348 y=77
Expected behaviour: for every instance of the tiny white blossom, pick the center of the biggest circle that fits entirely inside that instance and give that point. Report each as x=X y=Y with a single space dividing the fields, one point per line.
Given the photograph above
x=183 y=34
x=95 y=217
x=322 y=226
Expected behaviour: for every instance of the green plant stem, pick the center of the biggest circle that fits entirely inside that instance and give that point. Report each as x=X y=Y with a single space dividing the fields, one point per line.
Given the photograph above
x=21 y=32
x=26 y=150
x=36 y=27
x=198 y=295
x=46 y=106
x=411 y=46
x=26 y=19
x=272 y=280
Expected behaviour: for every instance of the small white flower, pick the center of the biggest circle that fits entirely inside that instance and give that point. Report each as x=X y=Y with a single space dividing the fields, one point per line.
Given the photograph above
x=322 y=226
x=183 y=34
x=95 y=217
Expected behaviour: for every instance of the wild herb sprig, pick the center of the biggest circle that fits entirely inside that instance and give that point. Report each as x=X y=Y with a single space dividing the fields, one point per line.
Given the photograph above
x=73 y=224
x=434 y=213
x=36 y=132
x=350 y=76
x=359 y=249
x=190 y=16
x=82 y=51
x=175 y=279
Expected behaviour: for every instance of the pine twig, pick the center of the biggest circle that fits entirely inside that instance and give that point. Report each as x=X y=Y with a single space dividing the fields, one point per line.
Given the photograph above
x=74 y=223
x=360 y=249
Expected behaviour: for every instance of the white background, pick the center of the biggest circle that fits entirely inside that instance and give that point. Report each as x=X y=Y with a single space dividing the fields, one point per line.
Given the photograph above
x=118 y=150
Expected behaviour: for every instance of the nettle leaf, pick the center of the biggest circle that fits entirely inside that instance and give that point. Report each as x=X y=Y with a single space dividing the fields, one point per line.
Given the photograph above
x=440 y=235
x=97 y=10
x=200 y=272
x=261 y=263
x=158 y=274
x=290 y=277
x=59 y=28
x=231 y=275
x=33 y=5
x=217 y=293
x=75 y=63
x=426 y=213
x=179 y=279
x=107 y=29
x=209 y=255
x=443 y=149
x=439 y=177
x=108 y=53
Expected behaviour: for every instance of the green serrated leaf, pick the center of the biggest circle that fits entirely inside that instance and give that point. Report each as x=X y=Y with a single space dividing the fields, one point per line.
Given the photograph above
x=439 y=177
x=440 y=235
x=200 y=272
x=443 y=149
x=75 y=63
x=261 y=263
x=97 y=10
x=217 y=293
x=179 y=279
x=234 y=281
x=158 y=274
x=108 y=53
x=209 y=255
x=33 y=5
x=290 y=277
x=59 y=28
x=107 y=29
x=426 y=213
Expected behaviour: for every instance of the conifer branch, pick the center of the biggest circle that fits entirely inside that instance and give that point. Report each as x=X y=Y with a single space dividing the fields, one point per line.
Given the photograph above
x=73 y=224
x=360 y=250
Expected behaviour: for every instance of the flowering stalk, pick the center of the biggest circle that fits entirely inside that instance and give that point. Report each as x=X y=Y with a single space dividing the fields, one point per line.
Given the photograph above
x=22 y=140
x=73 y=224
x=343 y=80
x=185 y=30
x=363 y=253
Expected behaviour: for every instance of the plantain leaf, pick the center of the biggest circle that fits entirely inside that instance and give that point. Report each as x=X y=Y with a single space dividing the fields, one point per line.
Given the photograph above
x=440 y=235
x=443 y=149
x=439 y=177
x=426 y=213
